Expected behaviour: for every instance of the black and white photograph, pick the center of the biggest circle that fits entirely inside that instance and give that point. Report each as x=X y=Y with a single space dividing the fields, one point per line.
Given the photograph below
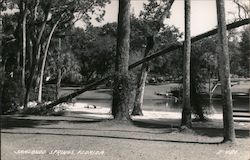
x=125 y=79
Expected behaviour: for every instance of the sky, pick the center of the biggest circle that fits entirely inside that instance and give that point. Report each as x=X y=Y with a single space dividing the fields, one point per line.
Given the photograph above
x=203 y=14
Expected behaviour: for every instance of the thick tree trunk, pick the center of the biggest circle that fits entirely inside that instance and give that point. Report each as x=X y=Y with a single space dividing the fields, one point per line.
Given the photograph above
x=170 y=48
x=120 y=104
x=186 y=112
x=44 y=62
x=224 y=68
x=137 y=110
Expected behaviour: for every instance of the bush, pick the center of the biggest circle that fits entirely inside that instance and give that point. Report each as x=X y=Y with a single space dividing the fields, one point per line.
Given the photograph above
x=11 y=96
x=199 y=107
x=49 y=93
x=42 y=111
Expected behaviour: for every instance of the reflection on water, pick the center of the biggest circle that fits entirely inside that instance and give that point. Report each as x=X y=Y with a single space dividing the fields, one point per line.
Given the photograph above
x=169 y=105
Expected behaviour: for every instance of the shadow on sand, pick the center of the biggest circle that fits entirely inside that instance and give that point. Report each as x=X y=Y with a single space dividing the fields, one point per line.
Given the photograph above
x=12 y=122
x=203 y=131
x=9 y=122
x=111 y=137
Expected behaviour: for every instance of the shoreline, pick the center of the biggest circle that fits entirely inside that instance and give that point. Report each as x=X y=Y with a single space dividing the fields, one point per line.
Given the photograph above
x=104 y=111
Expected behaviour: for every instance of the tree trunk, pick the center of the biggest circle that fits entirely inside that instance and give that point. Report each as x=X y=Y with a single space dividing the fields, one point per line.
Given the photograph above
x=44 y=62
x=210 y=87
x=31 y=76
x=21 y=6
x=138 y=102
x=142 y=80
x=120 y=103
x=137 y=110
x=58 y=83
x=36 y=57
x=224 y=68
x=170 y=48
x=78 y=92
x=186 y=112
x=23 y=49
x=2 y=62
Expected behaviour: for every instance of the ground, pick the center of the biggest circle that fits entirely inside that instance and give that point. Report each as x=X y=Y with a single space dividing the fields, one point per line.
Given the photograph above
x=90 y=134
x=87 y=133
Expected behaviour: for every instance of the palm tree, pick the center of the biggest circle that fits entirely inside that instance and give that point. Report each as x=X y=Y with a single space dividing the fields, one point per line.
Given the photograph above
x=224 y=71
x=186 y=112
x=120 y=109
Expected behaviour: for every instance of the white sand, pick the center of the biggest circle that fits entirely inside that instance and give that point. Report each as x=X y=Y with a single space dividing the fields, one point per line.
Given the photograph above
x=103 y=112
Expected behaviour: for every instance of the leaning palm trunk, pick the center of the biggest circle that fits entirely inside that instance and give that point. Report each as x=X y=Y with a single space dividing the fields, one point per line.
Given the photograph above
x=224 y=71
x=142 y=80
x=170 y=48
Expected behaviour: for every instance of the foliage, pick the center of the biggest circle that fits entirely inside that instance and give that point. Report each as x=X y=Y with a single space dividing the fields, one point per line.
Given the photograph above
x=10 y=97
x=203 y=66
x=41 y=16
x=49 y=93
x=94 y=49
x=64 y=60
x=245 y=51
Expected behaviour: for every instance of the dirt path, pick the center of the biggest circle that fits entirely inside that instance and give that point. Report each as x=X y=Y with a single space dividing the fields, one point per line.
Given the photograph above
x=81 y=136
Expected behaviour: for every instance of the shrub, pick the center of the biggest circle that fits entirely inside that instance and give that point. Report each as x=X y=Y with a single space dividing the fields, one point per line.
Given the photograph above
x=11 y=96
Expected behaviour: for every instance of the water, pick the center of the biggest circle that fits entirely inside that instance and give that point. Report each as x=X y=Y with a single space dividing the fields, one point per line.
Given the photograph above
x=167 y=105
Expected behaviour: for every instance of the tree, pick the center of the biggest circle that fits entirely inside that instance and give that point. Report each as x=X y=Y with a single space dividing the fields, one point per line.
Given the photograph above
x=95 y=49
x=62 y=65
x=7 y=59
x=203 y=68
x=142 y=80
x=120 y=109
x=44 y=61
x=24 y=12
x=43 y=14
x=243 y=8
x=245 y=50
x=2 y=70
x=186 y=112
x=62 y=18
x=36 y=40
x=239 y=59
x=224 y=70
x=153 y=18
